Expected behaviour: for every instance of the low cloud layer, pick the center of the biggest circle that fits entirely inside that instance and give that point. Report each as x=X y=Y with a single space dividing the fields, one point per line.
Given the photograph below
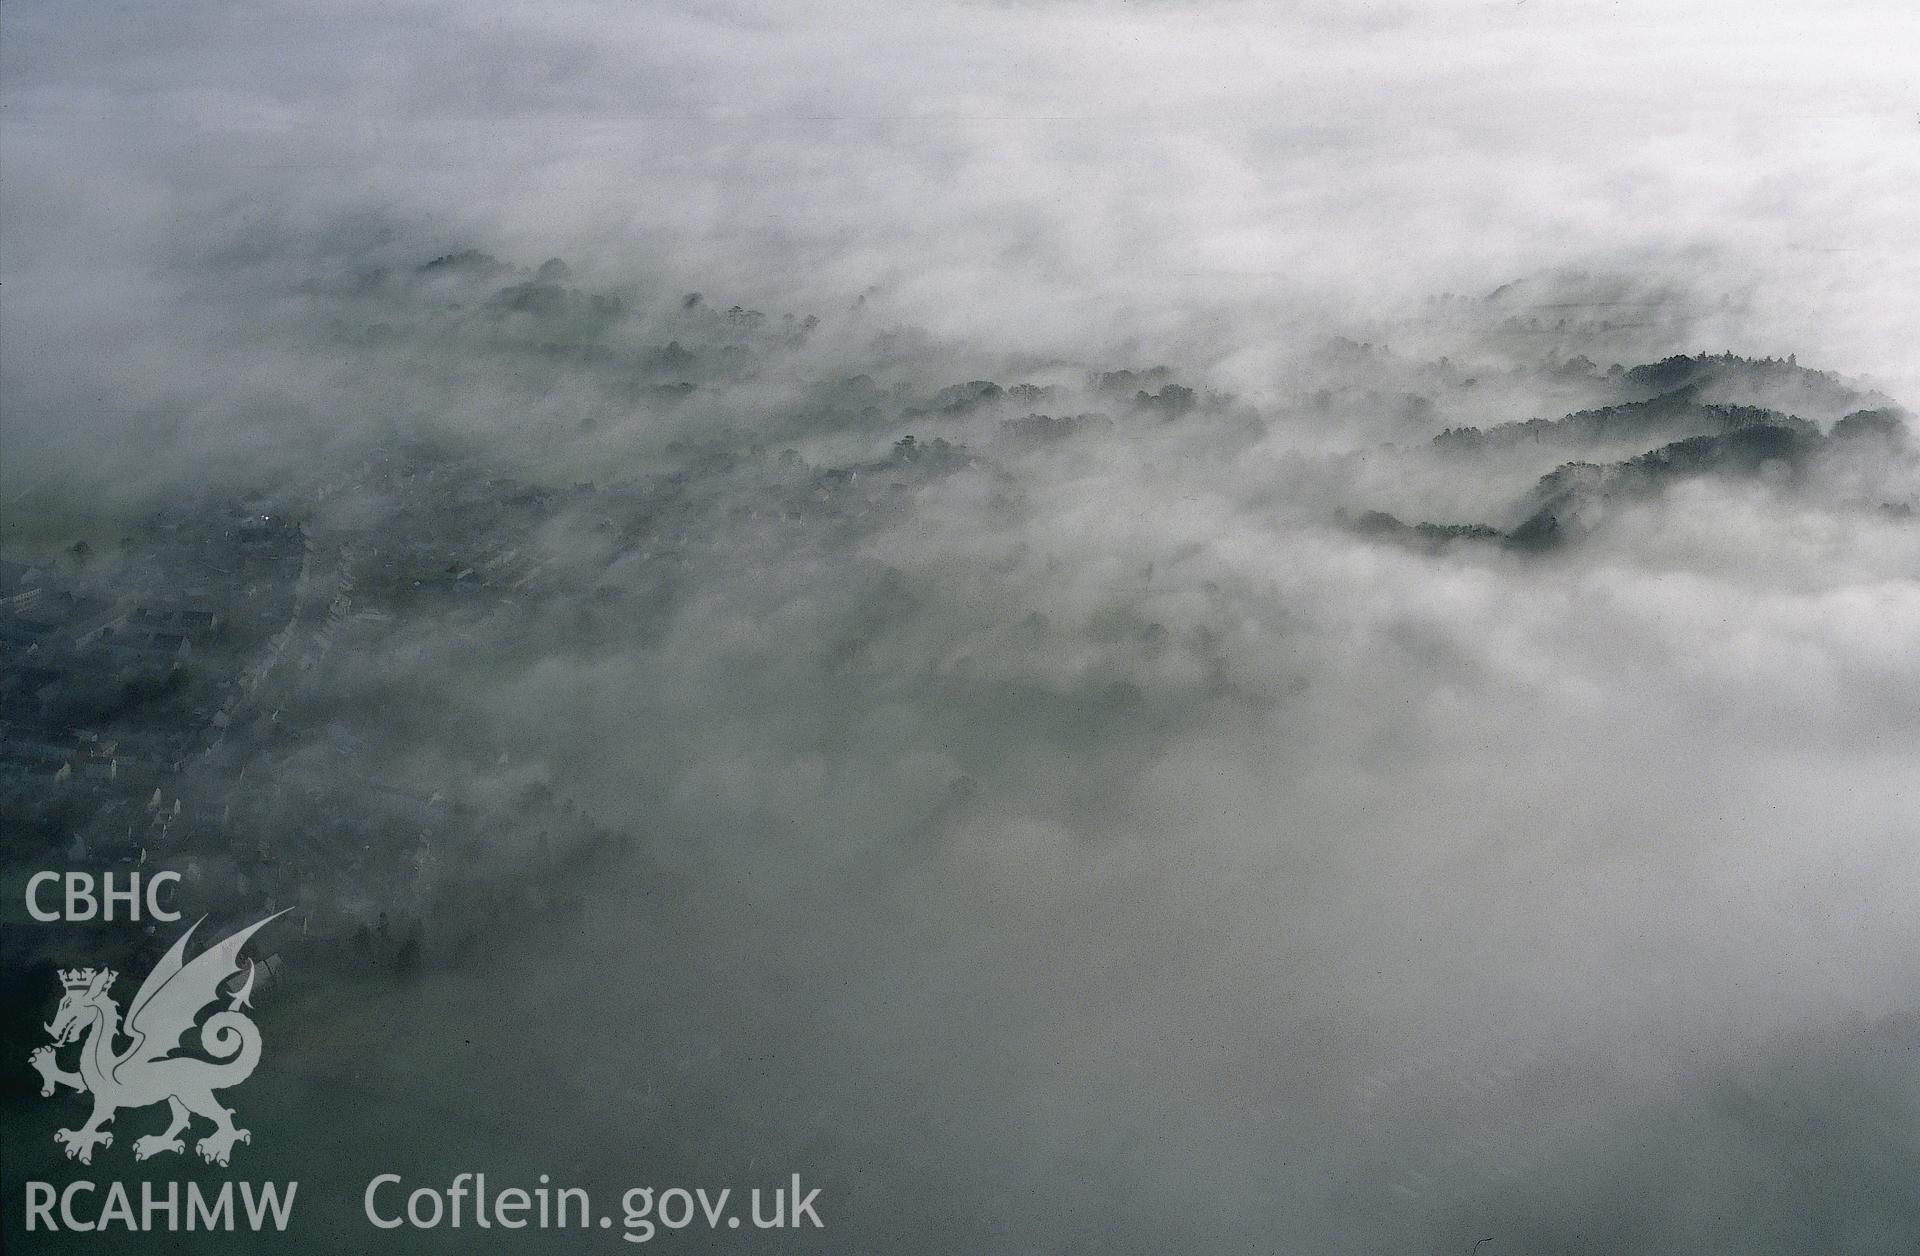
x=1024 y=529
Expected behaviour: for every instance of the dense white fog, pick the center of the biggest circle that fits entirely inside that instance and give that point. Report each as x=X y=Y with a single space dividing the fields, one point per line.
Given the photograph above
x=1124 y=830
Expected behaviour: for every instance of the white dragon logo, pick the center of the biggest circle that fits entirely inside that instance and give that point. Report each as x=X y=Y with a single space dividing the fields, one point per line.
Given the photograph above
x=169 y=1001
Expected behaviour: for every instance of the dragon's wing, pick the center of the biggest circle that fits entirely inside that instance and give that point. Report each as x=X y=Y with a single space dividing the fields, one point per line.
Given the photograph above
x=163 y=972
x=175 y=991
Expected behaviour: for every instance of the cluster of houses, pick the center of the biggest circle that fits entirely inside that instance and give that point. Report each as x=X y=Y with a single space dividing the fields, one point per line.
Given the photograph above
x=161 y=706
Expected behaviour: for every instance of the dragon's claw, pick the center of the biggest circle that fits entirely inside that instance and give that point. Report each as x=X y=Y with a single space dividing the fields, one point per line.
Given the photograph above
x=153 y=1144
x=80 y=1143
x=41 y=1061
x=217 y=1147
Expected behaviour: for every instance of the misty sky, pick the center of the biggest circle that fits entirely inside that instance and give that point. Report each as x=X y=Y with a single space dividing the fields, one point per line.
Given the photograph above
x=1110 y=847
x=1043 y=173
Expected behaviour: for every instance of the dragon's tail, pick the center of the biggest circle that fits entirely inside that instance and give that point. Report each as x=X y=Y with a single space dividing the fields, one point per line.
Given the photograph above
x=234 y=1042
